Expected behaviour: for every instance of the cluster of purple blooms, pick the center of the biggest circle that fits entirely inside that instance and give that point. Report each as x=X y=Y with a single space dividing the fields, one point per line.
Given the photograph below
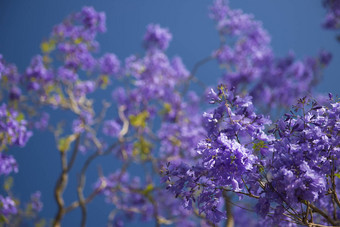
x=304 y=163
x=226 y=156
x=159 y=79
x=332 y=20
x=292 y=169
x=193 y=163
x=13 y=128
x=13 y=132
x=250 y=65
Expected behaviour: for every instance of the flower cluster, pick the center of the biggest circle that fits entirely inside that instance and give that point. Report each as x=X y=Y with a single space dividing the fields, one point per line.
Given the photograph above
x=9 y=79
x=153 y=95
x=7 y=206
x=332 y=20
x=250 y=65
x=157 y=37
x=227 y=156
x=13 y=130
x=35 y=202
x=8 y=164
x=304 y=166
x=131 y=196
x=292 y=169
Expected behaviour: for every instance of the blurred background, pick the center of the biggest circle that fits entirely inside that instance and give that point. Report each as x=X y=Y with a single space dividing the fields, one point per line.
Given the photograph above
x=293 y=26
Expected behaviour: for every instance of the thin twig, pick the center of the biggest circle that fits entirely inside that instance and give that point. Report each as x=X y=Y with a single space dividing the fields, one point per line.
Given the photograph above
x=82 y=180
x=193 y=73
x=323 y=214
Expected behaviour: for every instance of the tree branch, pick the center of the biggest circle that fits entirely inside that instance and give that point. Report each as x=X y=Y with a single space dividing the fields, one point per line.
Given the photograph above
x=229 y=213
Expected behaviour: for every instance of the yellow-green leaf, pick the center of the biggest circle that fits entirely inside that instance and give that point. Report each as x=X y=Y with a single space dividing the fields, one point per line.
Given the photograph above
x=142 y=147
x=175 y=141
x=105 y=80
x=259 y=145
x=40 y=223
x=166 y=108
x=139 y=120
x=78 y=40
x=64 y=143
x=8 y=183
x=3 y=219
x=149 y=188
x=47 y=46
x=20 y=117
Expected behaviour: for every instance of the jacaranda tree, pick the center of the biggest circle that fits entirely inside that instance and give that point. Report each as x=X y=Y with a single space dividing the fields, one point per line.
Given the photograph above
x=260 y=148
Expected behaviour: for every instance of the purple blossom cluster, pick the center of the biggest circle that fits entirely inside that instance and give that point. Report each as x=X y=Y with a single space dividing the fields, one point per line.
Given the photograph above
x=157 y=37
x=304 y=163
x=155 y=83
x=13 y=128
x=35 y=202
x=332 y=19
x=227 y=159
x=7 y=206
x=109 y=64
x=291 y=169
x=9 y=78
x=7 y=164
x=132 y=197
x=111 y=128
x=250 y=65
x=13 y=131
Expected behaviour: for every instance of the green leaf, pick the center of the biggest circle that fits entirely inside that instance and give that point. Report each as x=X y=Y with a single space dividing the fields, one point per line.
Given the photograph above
x=3 y=219
x=166 y=108
x=104 y=81
x=78 y=40
x=175 y=141
x=64 y=143
x=40 y=223
x=259 y=145
x=337 y=175
x=8 y=183
x=149 y=188
x=47 y=46
x=260 y=168
x=139 y=120
x=142 y=147
x=20 y=117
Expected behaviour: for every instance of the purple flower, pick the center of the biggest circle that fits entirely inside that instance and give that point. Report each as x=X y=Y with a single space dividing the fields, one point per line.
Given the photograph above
x=325 y=57
x=2 y=66
x=66 y=74
x=7 y=206
x=42 y=123
x=332 y=20
x=37 y=74
x=111 y=128
x=262 y=207
x=157 y=37
x=92 y=19
x=15 y=93
x=12 y=128
x=77 y=126
x=83 y=88
x=180 y=69
x=36 y=203
x=109 y=64
x=7 y=164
